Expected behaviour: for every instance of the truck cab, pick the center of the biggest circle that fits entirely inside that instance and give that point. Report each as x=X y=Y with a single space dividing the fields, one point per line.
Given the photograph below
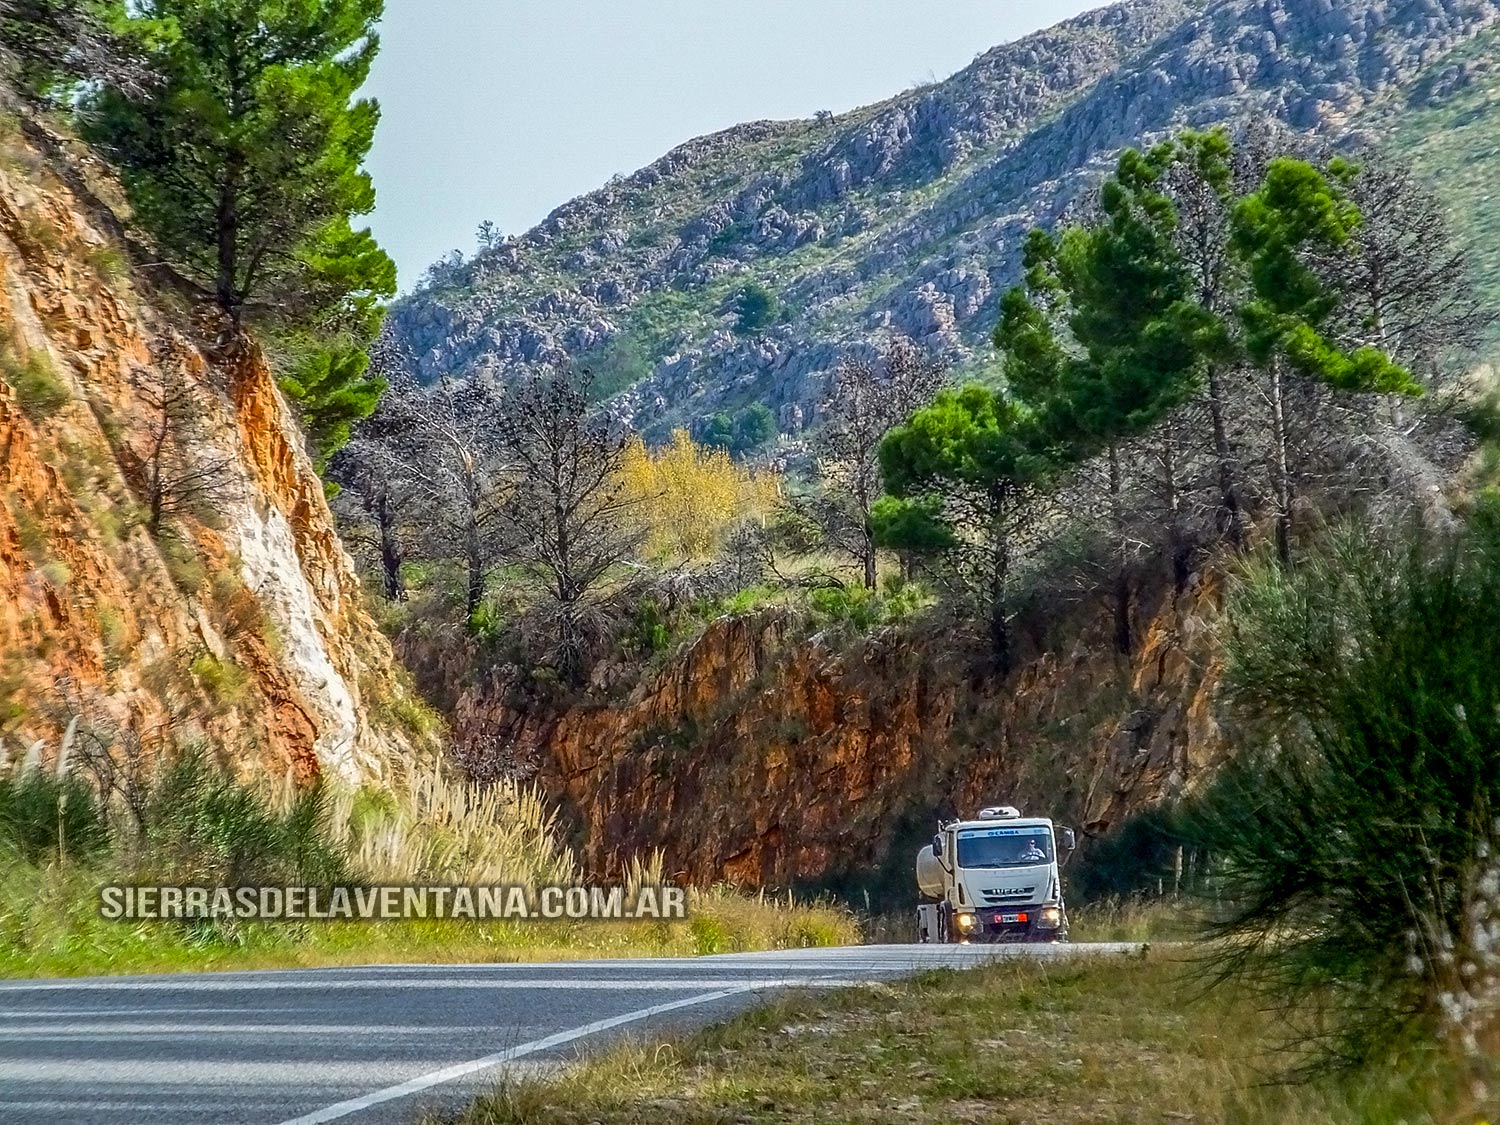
x=993 y=878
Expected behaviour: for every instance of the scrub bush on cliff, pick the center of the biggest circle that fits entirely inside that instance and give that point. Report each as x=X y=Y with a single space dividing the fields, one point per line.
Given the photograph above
x=1356 y=839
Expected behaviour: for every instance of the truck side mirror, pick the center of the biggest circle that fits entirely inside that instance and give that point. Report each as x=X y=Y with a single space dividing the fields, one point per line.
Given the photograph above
x=1067 y=839
x=937 y=845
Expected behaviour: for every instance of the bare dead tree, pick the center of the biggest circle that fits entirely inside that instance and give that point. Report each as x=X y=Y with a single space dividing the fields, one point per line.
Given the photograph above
x=868 y=399
x=1400 y=286
x=1403 y=283
x=375 y=495
x=435 y=452
x=181 y=472
x=373 y=504
x=568 y=507
x=119 y=760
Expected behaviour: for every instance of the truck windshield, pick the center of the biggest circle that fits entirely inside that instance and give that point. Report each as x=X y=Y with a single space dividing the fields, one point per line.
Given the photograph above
x=1004 y=847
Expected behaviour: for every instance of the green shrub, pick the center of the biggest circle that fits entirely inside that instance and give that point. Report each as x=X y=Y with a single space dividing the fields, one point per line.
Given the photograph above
x=107 y=262
x=755 y=309
x=204 y=827
x=36 y=383
x=114 y=636
x=405 y=709
x=709 y=936
x=647 y=632
x=488 y=622
x=224 y=681
x=42 y=815
x=846 y=605
x=743 y=601
x=183 y=564
x=1355 y=840
x=31 y=531
x=901 y=600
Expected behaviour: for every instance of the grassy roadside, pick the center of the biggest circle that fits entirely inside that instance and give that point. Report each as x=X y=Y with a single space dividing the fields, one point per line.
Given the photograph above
x=50 y=927
x=60 y=843
x=1116 y=1039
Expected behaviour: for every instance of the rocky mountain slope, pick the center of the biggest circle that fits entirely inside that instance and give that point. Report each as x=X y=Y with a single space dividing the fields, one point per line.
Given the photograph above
x=908 y=216
x=237 y=626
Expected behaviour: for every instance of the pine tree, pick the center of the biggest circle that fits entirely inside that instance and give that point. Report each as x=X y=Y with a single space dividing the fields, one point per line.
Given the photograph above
x=972 y=464
x=1115 y=290
x=243 y=159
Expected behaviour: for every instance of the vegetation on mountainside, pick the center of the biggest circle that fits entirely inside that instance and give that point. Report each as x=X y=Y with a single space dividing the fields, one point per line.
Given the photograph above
x=755 y=309
x=1305 y=285
x=1249 y=376
x=743 y=433
x=899 y=214
x=536 y=485
x=1122 y=1038
x=47 y=42
x=30 y=374
x=1450 y=132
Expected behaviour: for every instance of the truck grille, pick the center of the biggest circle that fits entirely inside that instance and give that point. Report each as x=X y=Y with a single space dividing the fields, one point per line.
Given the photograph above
x=991 y=897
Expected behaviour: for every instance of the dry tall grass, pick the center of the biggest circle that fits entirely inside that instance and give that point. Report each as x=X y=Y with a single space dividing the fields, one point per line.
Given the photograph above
x=430 y=826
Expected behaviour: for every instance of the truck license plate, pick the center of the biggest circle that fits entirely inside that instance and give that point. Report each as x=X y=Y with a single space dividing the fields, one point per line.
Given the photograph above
x=1002 y=918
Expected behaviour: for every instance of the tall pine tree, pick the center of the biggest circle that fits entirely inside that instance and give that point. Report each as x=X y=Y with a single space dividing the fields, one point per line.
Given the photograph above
x=244 y=162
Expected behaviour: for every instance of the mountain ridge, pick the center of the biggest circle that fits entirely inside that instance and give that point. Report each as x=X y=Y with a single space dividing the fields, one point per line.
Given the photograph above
x=906 y=216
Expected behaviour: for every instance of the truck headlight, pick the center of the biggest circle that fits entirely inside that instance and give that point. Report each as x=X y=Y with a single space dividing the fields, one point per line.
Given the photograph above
x=967 y=921
x=1051 y=917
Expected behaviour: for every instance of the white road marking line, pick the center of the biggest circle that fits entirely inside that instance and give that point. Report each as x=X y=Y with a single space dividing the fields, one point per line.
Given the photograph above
x=664 y=984
x=448 y=1074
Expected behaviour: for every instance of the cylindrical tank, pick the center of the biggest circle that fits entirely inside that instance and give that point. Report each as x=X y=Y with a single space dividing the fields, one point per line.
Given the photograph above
x=931 y=878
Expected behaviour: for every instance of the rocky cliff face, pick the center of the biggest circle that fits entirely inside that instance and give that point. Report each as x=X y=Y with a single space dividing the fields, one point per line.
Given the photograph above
x=238 y=624
x=763 y=756
x=909 y=216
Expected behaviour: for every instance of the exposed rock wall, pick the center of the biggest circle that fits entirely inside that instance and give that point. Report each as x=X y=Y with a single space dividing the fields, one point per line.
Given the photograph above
x=239 y=625
x=762 y=756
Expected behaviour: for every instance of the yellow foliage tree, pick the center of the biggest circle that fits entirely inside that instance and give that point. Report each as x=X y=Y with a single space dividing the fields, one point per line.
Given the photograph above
x=688 y=496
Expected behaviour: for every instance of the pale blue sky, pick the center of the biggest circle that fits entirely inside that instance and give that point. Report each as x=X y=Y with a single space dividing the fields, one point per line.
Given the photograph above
x=503 y=109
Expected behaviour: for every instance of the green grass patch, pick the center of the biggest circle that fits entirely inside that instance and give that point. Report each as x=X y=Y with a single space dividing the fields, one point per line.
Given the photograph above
x=1107 y=1039
x=224 y=681
x=108 y=262
x=40 y=391
x=186 y=569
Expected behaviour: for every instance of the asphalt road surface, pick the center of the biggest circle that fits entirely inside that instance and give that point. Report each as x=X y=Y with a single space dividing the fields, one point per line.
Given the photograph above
x=376 y=1044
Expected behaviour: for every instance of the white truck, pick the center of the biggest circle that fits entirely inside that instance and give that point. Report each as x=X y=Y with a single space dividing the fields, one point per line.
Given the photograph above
x=993 y=878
